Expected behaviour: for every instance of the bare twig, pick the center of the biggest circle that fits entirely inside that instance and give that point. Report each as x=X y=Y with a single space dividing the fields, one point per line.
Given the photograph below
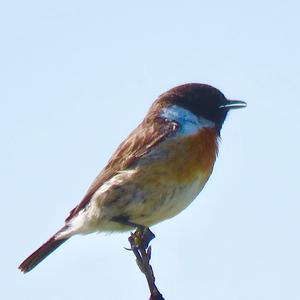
x=139 y=242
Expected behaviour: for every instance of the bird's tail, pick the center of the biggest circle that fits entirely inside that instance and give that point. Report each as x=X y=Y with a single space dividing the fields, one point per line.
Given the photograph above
x=41 y=253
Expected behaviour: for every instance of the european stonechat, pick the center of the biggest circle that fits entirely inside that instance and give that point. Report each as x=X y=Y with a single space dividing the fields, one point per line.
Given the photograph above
x=156 y=172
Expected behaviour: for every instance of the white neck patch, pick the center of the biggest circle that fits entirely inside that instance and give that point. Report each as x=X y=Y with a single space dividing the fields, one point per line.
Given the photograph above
x=189 y=123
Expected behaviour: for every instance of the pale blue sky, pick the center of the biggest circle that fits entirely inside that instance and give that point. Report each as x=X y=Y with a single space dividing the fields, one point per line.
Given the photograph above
x=77 y=76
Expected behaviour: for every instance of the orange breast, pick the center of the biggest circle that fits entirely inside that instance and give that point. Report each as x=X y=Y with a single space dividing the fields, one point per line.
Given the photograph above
x=185 y=157
x=196 y=153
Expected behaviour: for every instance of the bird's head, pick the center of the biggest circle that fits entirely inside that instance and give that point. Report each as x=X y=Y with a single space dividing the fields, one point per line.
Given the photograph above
x=201 y=100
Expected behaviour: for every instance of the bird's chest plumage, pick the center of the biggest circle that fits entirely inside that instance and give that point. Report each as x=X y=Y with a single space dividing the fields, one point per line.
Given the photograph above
x=182 y=158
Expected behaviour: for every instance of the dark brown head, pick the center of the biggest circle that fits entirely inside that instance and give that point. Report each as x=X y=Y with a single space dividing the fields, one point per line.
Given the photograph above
x=201 y=100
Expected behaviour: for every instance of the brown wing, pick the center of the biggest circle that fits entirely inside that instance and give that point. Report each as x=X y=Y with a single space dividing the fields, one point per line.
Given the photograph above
x=148 y=134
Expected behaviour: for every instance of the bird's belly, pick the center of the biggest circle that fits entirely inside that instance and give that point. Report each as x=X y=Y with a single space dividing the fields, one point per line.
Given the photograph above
x=168 y=201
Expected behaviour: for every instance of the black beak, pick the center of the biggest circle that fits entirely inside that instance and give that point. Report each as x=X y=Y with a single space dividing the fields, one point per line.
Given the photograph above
x=234 y=104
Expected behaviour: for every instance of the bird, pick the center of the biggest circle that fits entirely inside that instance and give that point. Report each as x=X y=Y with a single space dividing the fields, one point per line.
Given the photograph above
x=156 y=172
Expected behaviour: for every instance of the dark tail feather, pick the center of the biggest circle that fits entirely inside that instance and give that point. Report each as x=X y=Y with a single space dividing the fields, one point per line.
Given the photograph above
x=41 y=253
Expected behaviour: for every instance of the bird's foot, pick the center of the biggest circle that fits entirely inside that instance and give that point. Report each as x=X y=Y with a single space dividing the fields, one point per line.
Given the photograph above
x=141 y=238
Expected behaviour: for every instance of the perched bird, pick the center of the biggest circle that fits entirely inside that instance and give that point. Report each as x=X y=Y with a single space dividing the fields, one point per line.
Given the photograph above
x=156 y=172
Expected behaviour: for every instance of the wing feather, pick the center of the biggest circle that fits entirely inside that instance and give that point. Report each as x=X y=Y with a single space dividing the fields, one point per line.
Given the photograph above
x=147 y=135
